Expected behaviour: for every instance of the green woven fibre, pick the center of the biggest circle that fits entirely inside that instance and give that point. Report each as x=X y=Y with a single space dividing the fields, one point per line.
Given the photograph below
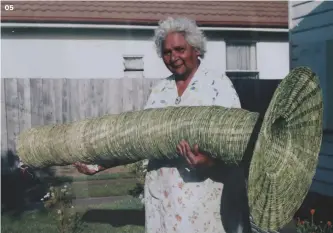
x=131 y=136
x=286 y=153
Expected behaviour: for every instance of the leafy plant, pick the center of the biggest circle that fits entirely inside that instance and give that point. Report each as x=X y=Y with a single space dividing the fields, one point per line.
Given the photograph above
x=140 y=170
x=59 y=200
x=304 y=226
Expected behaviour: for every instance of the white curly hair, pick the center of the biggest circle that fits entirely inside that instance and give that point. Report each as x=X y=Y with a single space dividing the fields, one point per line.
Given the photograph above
x=193 y=35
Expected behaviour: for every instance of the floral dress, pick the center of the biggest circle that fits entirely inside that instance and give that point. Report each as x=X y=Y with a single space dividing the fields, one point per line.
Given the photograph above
x=176 y=198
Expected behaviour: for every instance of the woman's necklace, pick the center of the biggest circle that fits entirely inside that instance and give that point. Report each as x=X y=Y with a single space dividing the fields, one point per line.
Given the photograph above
x=178 y=99
x=181 y=89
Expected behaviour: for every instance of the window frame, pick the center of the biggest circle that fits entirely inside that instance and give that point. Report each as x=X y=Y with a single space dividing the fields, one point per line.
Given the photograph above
x=230 y=72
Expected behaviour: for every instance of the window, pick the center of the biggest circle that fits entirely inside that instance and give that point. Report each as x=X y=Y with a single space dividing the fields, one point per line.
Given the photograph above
x=133 y=66
x=241 y=58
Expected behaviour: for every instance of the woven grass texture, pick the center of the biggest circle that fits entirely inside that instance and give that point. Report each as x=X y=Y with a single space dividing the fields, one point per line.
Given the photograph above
x=283 y=161
x=131 y=136
x=286 y=153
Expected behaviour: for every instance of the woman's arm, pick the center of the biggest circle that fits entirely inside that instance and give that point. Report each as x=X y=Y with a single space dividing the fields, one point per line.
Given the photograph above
x=92 y=169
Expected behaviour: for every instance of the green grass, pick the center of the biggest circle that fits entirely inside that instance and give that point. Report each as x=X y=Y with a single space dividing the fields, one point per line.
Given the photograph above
x=104 y=185
x=114 y=188
x=111 y=176
x=41 y=221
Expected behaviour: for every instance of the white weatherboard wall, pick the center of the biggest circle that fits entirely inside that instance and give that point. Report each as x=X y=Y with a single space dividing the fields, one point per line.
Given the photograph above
x=273 y=59
x=101 y=56
x=311 y=37
x=75 y=58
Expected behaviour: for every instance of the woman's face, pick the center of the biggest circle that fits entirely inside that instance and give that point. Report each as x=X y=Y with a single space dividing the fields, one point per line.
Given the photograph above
x=178 y=56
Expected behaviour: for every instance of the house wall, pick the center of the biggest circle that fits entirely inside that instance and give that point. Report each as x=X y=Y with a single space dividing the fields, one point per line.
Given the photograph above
x=99 y=54
x=311 y=44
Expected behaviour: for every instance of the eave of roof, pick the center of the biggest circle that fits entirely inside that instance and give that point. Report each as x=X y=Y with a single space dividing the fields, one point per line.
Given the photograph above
x=271 y=14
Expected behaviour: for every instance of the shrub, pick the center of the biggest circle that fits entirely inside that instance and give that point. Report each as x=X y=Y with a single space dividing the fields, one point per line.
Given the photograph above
x=139 y=169
x=59 y=200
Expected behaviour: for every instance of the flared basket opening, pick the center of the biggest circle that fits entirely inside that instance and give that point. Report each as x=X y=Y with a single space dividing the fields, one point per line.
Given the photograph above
x=278 y=128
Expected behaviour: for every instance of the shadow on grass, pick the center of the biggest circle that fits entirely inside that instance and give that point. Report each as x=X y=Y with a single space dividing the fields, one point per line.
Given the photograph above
x=116 y=218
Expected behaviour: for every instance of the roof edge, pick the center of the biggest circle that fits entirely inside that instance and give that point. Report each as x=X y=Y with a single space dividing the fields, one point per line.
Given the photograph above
x=130 y=26
x=152 y=22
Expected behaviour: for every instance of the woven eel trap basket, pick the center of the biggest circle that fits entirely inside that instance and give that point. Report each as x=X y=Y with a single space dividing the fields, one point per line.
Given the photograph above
x=284 y=155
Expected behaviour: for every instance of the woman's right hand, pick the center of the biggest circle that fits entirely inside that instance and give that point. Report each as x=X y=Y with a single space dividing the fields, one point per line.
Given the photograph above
x=88 y=169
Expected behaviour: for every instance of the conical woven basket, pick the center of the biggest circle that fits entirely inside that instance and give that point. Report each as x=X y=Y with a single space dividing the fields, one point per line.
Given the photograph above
x=283 y=162
x=286 y=153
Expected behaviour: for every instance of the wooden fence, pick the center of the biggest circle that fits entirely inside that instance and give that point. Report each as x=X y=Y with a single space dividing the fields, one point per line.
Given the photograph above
x=26 y=103
x=31 y=102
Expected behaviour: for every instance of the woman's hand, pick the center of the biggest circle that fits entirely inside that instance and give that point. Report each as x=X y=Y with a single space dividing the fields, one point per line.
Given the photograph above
x=88 y=169
x=195 y=158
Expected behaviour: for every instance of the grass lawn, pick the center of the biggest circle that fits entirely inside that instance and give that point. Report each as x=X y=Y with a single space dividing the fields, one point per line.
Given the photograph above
x=83 y=178
x=103 y=188
x=108 y=176
x=103 y=185
x=119 y=216
x=124 y=216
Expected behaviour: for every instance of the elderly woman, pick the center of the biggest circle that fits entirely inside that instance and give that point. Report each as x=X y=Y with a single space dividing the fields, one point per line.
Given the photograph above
x=184 y=195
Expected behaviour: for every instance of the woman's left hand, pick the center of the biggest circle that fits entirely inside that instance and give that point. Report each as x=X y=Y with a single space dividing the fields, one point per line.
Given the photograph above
x=195 y=158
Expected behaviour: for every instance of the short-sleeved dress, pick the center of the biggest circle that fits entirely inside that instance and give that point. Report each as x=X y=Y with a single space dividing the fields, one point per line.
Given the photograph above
x=177 y=199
